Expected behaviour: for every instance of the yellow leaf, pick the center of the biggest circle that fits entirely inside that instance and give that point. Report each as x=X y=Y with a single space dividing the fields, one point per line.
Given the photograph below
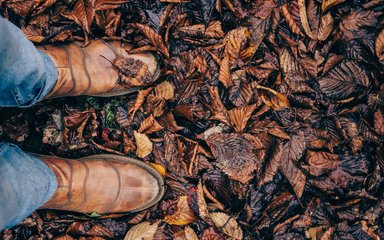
x=142 y=231
x=183 y=215
x=144 y=145
x=160 y=168
x=227 y=224
x=165 y=90
x=327 y=4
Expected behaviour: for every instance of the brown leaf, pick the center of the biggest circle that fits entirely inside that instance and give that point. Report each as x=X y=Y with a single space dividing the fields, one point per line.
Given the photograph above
x=83 y=14
x=239 y=116
x=141 y=96
x=326 y=27
x=304 y=18
x=213 y=30
x=142 y=231
x=144 y=145
x=323 y=160
x=234 y=155
x=346 y=80
x=225 y=72
x=165 y=90
x=236 y=41
x=327 y=4
x=289 y=19
x=183 y=215
x=273 y=99
x=273 y=165
x=190 y=234
x=153 y=37
x=219 y=112
x=240 y=94
x=379 y=45
x=292 y=152
x=150 y=125
x=108 y=4
x=378 y=117
x=227 y=225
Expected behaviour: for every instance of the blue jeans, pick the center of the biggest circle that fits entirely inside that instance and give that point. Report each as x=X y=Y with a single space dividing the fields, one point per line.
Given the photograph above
x=26 y=77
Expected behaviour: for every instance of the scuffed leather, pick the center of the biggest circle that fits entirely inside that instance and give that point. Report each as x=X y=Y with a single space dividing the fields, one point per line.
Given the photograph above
x=103 y=184
x=82 y=70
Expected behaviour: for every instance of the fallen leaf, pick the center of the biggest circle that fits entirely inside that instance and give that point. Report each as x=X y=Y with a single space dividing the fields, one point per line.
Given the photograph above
x=183 y=215
x=142 y=231
x=227 y=225
x=144 y=145
x=239 y=116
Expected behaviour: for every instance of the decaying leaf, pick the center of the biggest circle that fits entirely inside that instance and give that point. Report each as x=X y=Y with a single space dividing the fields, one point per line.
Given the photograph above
x=379 y=45
x=153 y=37
x=327 y=4
x=227 y=225
x=183 y=215
x=292 y=152
x=234 y=155
x=150 y=125
x=239 y=116
x=273 y=99
x=142 y=231
x=165 y=90
x=346 y=80
x=144 y=145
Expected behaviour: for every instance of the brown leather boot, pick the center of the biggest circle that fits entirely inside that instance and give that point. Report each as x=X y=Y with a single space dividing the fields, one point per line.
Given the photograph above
x=89 y=70
x=103 y=184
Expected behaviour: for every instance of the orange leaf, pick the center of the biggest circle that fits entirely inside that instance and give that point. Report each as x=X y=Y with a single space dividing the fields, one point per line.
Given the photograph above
x=239 y=116
x=225 y=72
x=183 y=215
x=82 y=14
x=153 y=37
x=273 y=99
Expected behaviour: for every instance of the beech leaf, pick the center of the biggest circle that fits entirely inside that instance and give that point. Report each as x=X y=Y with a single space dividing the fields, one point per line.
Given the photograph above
x=142 y=231
x=227 y=225
x=144 y=145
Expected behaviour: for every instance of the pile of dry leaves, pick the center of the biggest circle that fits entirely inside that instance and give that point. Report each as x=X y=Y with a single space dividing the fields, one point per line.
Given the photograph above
x=267 y=120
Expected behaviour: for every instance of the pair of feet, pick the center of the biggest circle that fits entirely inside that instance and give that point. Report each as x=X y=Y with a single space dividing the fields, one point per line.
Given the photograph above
x=101 y=183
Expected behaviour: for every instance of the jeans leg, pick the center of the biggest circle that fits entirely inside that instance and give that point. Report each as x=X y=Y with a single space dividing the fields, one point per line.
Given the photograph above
x=26 y=74
x=26 y=183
